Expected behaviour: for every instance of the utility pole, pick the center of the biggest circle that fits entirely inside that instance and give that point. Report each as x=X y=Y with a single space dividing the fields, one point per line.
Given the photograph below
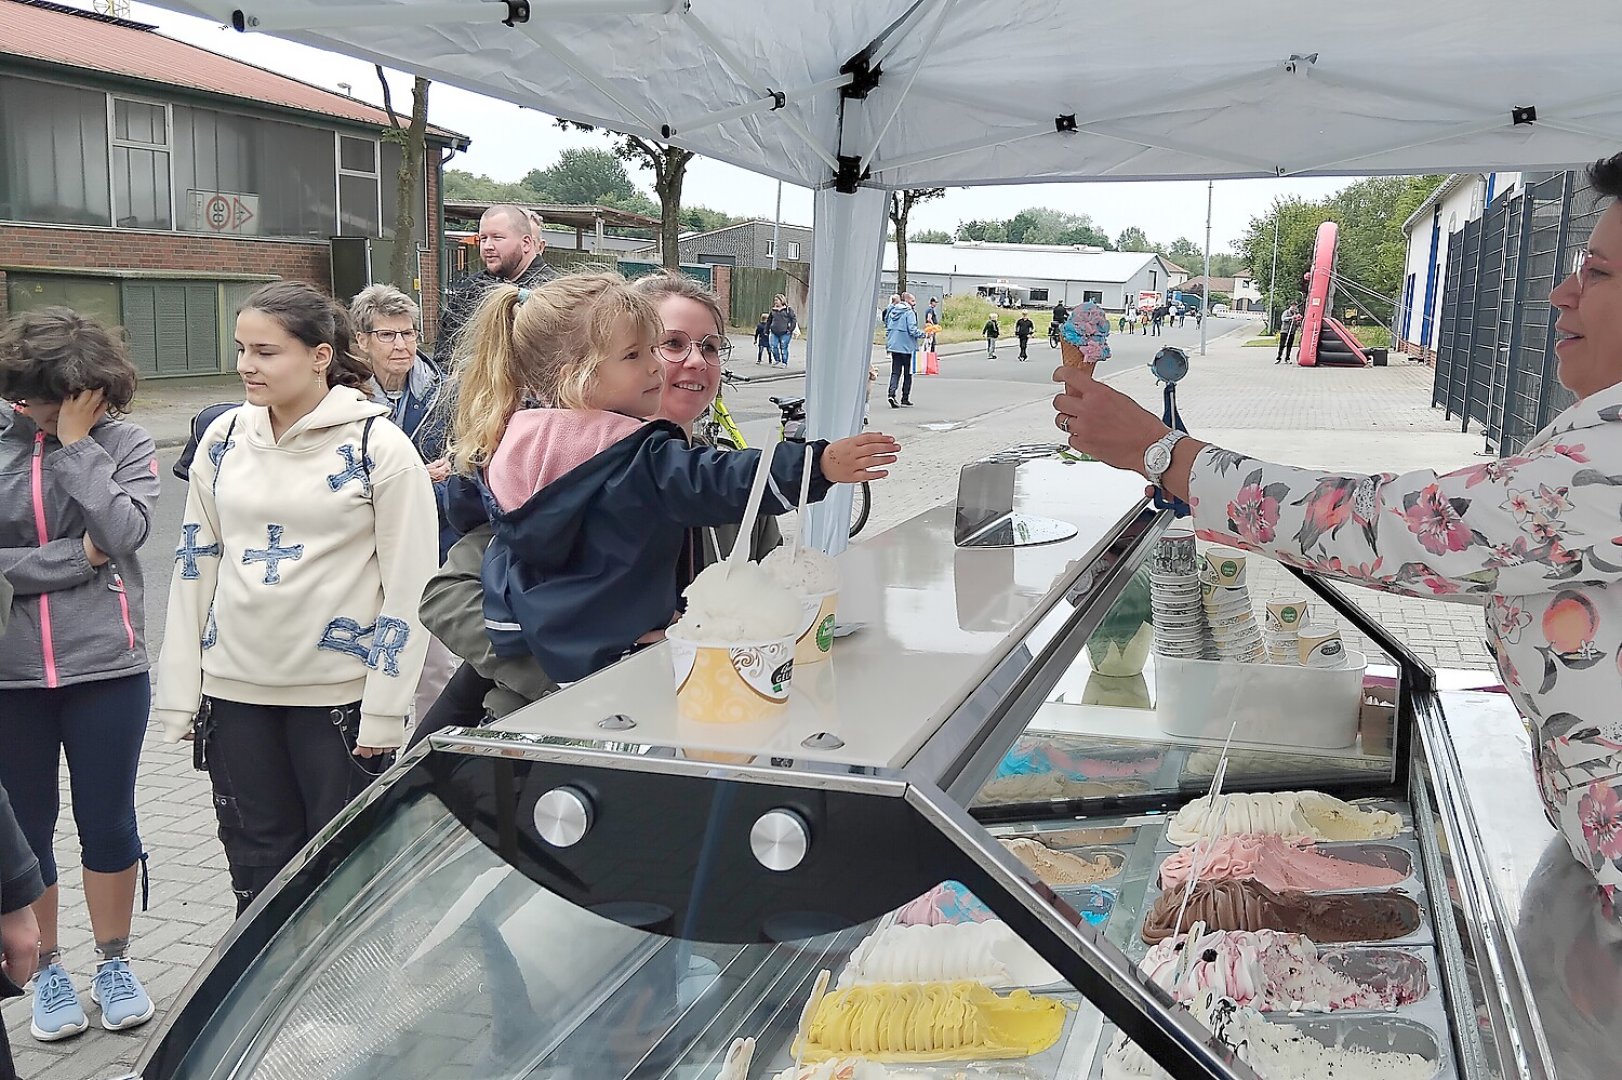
x=777 y=226
x=1272 y=279
x=1205 y=293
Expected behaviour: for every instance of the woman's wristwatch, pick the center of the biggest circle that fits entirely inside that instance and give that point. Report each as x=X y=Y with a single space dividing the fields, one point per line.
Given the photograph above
x=1157 y=459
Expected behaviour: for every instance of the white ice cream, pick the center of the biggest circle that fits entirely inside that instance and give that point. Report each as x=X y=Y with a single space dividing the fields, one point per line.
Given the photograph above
x=987 y=952
x=808 y=573
x=749 y=606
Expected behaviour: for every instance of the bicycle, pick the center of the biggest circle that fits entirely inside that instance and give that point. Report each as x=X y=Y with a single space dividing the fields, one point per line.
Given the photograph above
x=717 y=427
x=1053 y=335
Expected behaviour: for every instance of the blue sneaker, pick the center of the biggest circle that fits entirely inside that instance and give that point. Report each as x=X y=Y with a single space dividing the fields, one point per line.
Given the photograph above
x=123 y=1000
x=57 y=1012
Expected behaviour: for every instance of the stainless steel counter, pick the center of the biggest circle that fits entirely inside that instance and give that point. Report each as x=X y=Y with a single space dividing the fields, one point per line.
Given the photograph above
x=1544 y=935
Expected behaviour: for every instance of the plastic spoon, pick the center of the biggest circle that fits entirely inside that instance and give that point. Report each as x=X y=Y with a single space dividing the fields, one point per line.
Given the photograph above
x=803 y=519
x=757 y=490
x=738 y=1059
x=809 y=1013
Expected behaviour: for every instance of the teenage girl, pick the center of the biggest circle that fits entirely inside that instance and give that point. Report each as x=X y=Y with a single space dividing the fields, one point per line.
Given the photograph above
x=77 y=491
x=292 y=647
x=591 y=503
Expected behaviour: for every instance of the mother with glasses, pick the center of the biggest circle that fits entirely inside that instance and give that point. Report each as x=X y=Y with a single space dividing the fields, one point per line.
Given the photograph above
x=694 y=348
x=1536 y=537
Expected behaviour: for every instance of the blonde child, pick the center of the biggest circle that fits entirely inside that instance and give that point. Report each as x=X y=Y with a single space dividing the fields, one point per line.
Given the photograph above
x=590 y=501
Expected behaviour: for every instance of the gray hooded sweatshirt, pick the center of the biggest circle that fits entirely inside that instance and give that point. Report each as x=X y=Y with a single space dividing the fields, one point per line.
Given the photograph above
x=72 y=622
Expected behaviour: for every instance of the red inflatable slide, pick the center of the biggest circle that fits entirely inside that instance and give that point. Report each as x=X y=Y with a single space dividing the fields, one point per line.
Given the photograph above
x=1325 y=340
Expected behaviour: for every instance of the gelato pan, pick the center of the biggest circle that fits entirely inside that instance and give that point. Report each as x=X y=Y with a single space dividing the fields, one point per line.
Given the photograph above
x=948 y=903
x=1249 y=905
x=930 y=1022
x=749 y=606
x=1058 y=868
x=1288 y=1051
x=1294 y=815
x=1280 y=864
x=983 y=952
x=1278 y=972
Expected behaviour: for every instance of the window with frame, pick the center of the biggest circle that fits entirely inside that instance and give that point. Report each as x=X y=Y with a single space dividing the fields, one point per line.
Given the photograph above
x=360 y=208
x=143 y=195
x=53 y=153
x=793 y=249
x=771 y=247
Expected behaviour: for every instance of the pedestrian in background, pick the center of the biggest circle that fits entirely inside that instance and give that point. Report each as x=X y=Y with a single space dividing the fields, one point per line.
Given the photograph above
x=511 y=248
x=77 y=491
x=1023 y=331
x=1286 y=333
x=407 y=381
x=992 y=332
x=901 y=337
x=763 y=338
x=1159 y=317
x=932 y=324
x=292 y=648
x=781 y=324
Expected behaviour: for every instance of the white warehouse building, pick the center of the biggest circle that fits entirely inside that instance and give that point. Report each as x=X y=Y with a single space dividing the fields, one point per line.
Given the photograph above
x=1032 y=274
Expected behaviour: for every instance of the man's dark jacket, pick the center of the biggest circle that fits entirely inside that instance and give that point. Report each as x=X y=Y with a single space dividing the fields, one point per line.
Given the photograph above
x=465 y=301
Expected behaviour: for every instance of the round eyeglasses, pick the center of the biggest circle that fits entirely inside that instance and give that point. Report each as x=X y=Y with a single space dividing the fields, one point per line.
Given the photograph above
x=676 y=348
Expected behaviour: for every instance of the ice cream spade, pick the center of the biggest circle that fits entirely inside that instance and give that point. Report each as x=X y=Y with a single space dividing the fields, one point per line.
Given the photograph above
x=809 y=1013
x=739 y=1056
x=757 y=490
x=1219 y=811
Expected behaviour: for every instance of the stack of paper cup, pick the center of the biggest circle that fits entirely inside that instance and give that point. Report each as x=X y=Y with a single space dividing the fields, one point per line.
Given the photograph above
x=1174 y=595
x=1281 y=630
x=1235 y=635
x=1318 y=645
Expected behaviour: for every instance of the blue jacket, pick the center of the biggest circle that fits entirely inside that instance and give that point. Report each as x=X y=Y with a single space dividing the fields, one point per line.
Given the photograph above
x=588 y=563
x=901 y=329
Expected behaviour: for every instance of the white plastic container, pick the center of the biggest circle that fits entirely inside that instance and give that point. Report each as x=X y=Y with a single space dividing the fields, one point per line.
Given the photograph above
x=1280 y=704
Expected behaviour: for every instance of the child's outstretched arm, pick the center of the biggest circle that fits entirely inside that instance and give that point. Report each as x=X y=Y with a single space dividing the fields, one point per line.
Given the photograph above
x=700 y=486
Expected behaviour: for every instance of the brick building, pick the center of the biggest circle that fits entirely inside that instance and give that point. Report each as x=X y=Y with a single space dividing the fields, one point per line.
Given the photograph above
x=154 y=184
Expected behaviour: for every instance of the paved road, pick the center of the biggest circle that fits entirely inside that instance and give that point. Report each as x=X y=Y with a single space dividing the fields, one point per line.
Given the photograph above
x=1332 y=418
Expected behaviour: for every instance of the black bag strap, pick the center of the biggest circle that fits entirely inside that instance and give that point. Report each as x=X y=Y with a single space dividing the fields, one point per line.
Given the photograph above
x=365 y=443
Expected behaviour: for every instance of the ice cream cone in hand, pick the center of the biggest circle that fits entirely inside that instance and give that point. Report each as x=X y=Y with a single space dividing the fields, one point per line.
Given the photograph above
x=1084 y=337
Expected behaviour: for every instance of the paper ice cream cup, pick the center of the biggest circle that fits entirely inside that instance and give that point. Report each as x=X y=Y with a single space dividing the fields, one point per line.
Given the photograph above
x=815 y=641
x=731 y=682
x=1286 y=615
x=1320 y=647
x=1075 y=358
x=1226 y=567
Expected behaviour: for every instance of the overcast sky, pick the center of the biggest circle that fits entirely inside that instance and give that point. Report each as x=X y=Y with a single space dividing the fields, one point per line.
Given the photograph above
x=508 y=141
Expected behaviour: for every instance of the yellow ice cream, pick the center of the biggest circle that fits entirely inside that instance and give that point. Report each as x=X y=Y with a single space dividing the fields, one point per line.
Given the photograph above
x=931 y=1022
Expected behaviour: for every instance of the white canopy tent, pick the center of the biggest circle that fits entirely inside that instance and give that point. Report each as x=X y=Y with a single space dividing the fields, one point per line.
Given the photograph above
x=856 y=97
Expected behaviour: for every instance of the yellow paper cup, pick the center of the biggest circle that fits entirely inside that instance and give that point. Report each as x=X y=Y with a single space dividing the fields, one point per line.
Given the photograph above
x=1226 y=567
x=815 y=640
x=732 y=682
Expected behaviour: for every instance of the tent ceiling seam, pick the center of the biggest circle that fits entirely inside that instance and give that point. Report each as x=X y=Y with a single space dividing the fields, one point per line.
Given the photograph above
x=943 y=12
x=569 y=60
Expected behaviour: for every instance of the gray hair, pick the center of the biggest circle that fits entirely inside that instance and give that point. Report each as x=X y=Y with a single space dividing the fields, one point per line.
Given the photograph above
x=382 y=300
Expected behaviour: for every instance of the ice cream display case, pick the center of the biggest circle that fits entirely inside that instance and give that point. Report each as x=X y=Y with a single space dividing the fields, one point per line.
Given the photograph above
x=981 y=842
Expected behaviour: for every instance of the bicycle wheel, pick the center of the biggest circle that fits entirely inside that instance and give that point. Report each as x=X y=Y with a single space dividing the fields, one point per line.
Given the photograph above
x=861 y=505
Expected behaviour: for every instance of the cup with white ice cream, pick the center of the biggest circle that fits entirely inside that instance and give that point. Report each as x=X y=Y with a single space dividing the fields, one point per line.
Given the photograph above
x=733 y=649
x=814 y=578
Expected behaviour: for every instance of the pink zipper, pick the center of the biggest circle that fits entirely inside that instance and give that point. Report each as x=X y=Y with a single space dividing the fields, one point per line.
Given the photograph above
x=47 y=646
x=123 y=606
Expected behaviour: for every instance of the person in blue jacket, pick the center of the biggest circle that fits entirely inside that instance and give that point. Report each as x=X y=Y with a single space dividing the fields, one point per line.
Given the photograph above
x=901 y=338
x=590 y=502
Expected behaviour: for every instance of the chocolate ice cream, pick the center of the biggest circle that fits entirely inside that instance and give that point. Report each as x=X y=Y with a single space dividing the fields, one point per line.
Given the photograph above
x=1237 y=904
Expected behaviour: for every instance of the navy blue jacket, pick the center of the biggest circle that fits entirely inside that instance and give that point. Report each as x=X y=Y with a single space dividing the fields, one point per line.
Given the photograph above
x=588 y=564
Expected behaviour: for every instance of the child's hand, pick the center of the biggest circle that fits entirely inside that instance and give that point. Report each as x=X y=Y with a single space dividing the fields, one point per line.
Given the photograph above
x=860 y=457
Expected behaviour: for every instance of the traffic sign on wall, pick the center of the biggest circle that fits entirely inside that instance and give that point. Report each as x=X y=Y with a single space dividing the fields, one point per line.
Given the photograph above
x=229 y=213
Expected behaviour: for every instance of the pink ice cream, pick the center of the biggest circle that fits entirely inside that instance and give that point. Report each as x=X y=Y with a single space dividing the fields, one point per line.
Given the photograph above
x=1273 y=971
x=1278 y=863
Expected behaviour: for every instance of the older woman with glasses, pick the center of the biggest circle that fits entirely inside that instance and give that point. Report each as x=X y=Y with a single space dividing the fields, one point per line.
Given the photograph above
x=1536 y=536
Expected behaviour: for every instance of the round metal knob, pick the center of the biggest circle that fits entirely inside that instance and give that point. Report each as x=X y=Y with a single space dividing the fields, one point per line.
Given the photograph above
x=780 y=840
x=562 y=816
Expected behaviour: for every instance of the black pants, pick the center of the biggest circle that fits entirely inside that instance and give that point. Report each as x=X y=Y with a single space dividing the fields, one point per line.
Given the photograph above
x=460 y=704
x=901 y=374
x=1286 y=342
x=1024 y=342
x=280 y=774
x=8 y=1070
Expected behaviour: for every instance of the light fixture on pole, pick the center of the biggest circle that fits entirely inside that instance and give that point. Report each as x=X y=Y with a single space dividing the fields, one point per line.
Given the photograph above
x=1205 y=293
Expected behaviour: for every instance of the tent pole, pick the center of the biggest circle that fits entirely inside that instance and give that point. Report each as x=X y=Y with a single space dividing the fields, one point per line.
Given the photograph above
x=889 y=41
x=740 y=71
x=1205 y=293
x=769 y=103
x=945 y=9
x=351 y=16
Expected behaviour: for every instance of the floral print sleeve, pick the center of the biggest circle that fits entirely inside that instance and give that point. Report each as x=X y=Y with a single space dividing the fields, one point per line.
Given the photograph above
x=1538 y=536
x=1516 y=525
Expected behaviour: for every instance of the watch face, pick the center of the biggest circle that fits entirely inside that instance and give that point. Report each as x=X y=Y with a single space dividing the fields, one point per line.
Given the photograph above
x=1157 y=459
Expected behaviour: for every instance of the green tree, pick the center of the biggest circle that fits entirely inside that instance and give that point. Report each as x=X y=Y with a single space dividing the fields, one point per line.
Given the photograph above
x=901 y=204
x=463 y=186
x=1224 y=263
x=1187 y=254
x=930 y=236
x=1133 y=238
x=995 y=232
x=669 y=167
x=582 y=176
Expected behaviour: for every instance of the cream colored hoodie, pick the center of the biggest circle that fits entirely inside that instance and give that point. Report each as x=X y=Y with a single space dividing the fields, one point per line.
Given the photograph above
x=298 y=572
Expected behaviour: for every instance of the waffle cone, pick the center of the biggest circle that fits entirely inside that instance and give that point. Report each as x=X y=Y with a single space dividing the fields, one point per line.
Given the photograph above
x=1075 y=358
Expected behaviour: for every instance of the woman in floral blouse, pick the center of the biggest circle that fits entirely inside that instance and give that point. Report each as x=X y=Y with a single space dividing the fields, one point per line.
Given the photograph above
x=1537 y=535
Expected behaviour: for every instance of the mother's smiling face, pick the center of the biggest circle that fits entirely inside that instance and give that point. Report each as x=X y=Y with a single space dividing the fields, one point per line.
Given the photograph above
x=690 y=385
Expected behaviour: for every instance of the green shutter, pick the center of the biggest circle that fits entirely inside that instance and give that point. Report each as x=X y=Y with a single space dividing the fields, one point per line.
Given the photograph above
x=141 y=326
x=202 y=329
